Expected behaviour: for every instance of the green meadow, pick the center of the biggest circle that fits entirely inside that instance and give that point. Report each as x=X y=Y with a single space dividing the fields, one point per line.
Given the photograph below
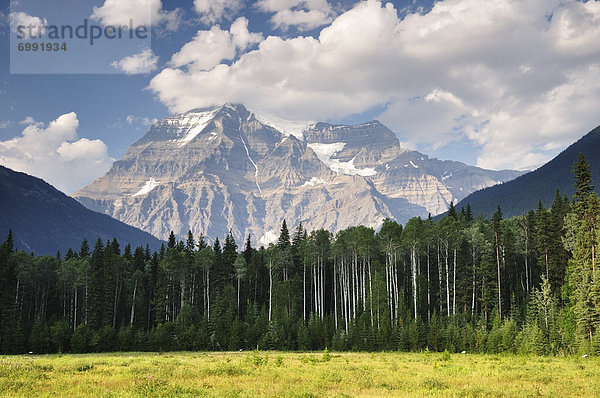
x=287 y=374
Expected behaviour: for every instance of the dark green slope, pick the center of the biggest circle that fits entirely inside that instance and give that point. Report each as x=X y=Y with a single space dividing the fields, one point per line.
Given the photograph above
x=520 y=195
x=45 y=220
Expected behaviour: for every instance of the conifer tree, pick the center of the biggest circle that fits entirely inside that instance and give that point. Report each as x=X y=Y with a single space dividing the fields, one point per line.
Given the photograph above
x=284 y=237
x=468 y=213
x=248 y=250
x=172 y=241
x=452 y=211
x=84 y=251
x=95 y=303
x=583 y=179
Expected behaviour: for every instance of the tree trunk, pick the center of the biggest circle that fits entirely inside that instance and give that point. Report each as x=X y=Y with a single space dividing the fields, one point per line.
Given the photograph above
x=304 y=288
x=447 y=282
x=527 y=259
x=182 y=288
x=133 y=304
x=370 y=290
x=270 y=288
x=473 y=296
x=428 y=287
x=454 y=286
x=335 y=293
x=439 y=265
x=498 y=264
x=413 y=264
x=75 y=311
x=208 y=292
x=114 y=321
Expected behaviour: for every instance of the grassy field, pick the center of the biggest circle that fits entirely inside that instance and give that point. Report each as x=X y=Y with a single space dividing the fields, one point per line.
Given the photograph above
x=278 y=374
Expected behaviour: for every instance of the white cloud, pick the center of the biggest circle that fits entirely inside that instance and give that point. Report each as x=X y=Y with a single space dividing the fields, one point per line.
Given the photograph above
x=28 y=120
x=144 y=62
x=517 y=77
x=4 y=124
x=55 y=154
x=210 y=47
x=212 y=11
x=141 y=12
x=139 y=121
x=24 y=22
x=303 y=14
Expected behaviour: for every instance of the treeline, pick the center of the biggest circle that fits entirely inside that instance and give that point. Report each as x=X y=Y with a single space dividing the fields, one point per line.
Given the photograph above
x=527 y=284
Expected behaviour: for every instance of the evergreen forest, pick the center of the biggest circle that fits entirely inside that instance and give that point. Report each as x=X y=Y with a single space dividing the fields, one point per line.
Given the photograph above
x=526 y=284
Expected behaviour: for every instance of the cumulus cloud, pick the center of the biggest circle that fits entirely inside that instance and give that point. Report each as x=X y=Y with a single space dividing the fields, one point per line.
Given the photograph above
x=517 y=77
x=144 y=62
x=303 y=14
x=141 y=12
x=212 y=11
x=22 y=19
x=54 y=153
x=210 y=47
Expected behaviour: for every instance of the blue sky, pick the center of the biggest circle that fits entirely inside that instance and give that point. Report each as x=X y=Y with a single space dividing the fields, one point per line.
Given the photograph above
x=499 y=84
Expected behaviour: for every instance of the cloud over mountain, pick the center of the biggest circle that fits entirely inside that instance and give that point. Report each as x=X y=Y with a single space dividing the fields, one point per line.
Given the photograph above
x=517 y=78
x=54 y=152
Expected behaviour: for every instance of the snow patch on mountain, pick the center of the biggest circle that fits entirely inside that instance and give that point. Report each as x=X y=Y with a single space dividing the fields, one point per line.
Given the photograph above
x=288 y=127
x=325 y=152
x=446 y=176
x=148 y=186
x=197 y=122
x=313 y=182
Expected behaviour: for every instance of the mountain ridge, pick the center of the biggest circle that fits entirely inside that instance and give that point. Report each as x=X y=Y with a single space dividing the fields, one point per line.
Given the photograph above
x=520 y=195
x=217 y=169
x=44 y=220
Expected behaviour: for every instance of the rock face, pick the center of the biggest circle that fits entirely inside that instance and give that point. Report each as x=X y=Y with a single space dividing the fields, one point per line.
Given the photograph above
x=219 y=169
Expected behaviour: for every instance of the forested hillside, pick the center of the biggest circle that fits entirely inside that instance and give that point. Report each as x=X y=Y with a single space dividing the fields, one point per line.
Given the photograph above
x=522 y=194
x=525 y=284
x=44 y=220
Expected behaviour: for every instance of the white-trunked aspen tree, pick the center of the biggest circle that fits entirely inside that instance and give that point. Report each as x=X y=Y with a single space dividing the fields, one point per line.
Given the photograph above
x=496 y=220
x=390 y=237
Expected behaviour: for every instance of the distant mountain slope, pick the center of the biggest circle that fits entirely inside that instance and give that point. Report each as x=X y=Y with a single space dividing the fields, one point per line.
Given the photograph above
x=520 y=195
x=45 y=220
x=218 y=169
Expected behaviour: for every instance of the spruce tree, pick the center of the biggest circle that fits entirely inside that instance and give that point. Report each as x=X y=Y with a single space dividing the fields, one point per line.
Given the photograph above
x=96 y=286
x=452 y=211
x=127 y=252
x=583 y=179
x=189 y=243
x=469 y=213
x=201 y=243
x=284 y=236
x=172 y=241
x=248 y=250
x=84 y=251
x=227 y=272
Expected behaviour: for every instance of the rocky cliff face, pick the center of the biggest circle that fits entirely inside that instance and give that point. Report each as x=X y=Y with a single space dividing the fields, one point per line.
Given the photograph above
x=220 y=169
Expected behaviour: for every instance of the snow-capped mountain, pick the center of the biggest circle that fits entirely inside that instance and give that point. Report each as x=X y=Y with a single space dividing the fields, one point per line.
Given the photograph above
x=224 y=168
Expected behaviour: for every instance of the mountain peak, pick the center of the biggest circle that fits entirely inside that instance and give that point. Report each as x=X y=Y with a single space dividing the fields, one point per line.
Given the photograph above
x=216 y=108
x=225 y=167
